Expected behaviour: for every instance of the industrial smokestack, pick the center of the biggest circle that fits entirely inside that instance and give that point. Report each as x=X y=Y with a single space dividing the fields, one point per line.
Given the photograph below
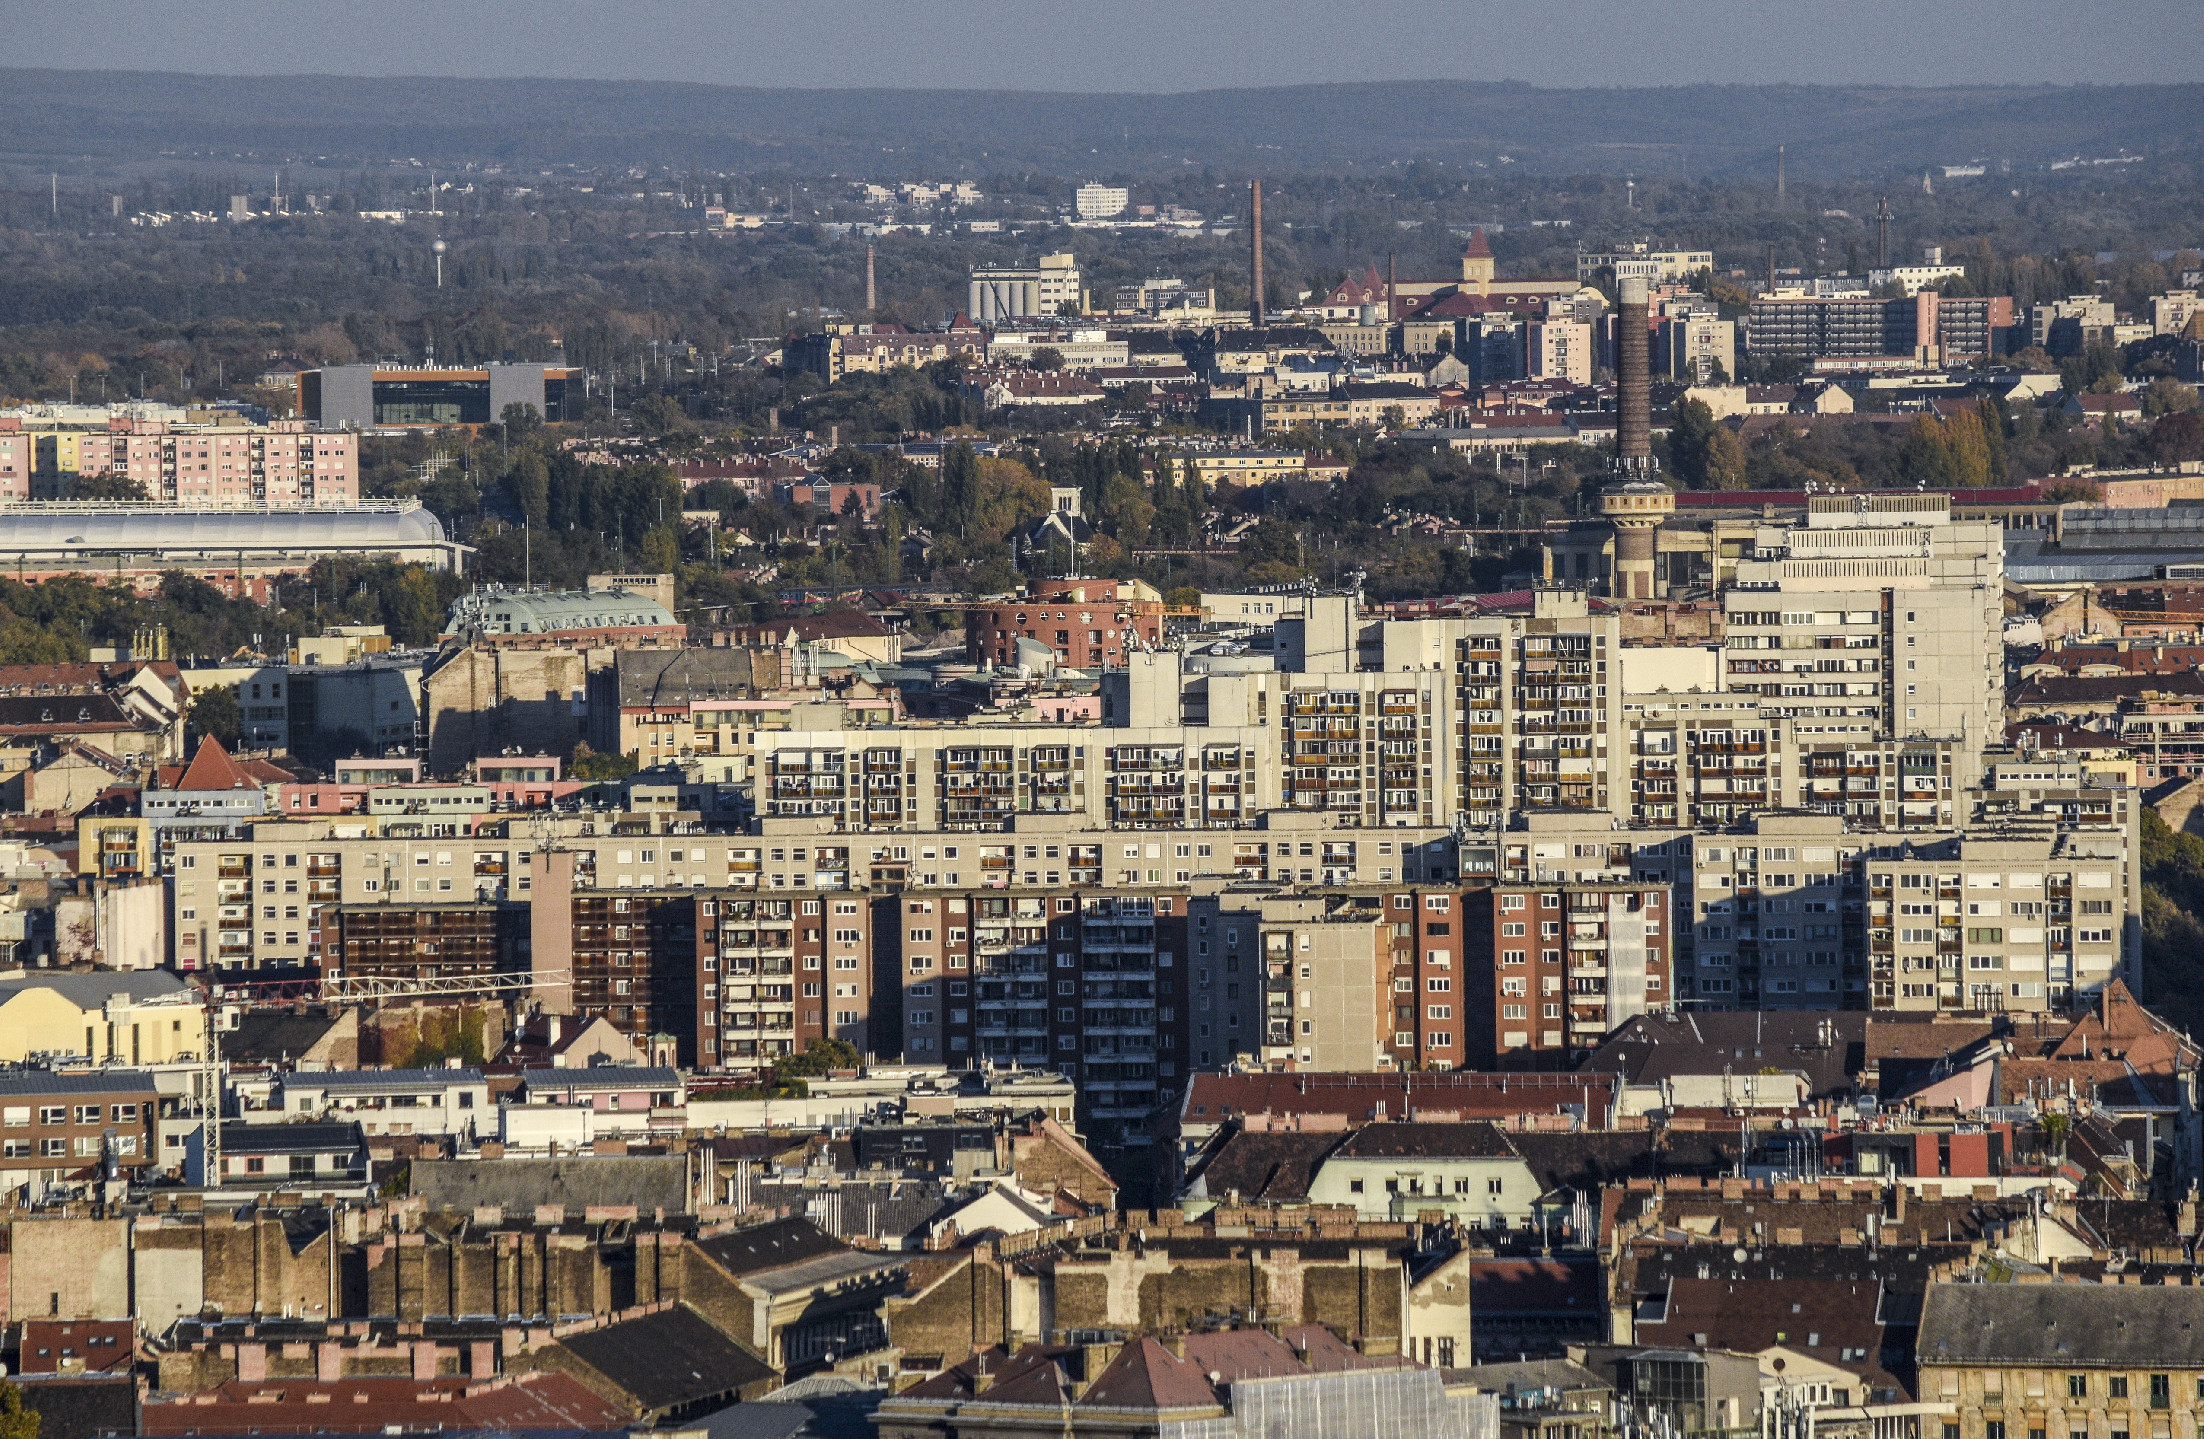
x=872 y=296
x=1255 y=254
x=1392 y=289
x=1779 y=176
x=1633 y=379
x=1882 y=233
x=1636 y=501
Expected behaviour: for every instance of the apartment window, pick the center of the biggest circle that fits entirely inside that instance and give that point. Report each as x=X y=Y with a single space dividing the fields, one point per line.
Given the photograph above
x=1492 y=1187
x=2119 y=1386
x=2161 y=1391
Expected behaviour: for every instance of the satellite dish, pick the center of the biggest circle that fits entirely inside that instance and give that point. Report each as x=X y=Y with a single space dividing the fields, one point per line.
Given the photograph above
x=1738 y=1255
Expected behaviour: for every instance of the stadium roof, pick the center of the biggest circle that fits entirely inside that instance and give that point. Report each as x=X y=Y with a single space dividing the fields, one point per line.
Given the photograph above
x=137 y=529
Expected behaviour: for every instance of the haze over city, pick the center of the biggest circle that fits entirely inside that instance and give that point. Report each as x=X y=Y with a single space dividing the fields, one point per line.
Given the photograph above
x=1318 y=721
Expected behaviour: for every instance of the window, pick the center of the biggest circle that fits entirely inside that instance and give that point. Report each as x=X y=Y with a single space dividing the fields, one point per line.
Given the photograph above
x=1493 y=1187
x=1993 y=1429
x=1354 y=1186
x=2118 y=1383
x=2161 y=1391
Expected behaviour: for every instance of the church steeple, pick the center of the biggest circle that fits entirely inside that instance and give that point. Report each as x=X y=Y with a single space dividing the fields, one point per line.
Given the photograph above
x=1477 y=263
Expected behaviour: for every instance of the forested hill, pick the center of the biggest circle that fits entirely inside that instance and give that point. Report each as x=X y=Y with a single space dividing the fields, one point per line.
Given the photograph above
x=103 y=119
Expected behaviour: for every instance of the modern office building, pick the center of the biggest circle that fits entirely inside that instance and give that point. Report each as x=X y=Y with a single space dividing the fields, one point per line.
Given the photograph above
x=371 y=397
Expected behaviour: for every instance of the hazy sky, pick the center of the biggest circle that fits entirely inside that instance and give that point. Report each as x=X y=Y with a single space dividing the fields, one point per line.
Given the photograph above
x=1133 y=44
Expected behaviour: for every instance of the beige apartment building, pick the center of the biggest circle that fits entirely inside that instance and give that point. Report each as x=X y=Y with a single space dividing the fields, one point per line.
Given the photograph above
x=1880 y=608
x=205 y=465
x=1537 y=719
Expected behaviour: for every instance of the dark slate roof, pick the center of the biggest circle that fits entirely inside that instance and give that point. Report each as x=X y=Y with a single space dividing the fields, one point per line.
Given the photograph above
x=653 y=677
x=2054 y=690
x=668 y=1360
x=1426 y=1141
x=2121 y=1326
x=1827 y=1048
x=918 y=1146
x=885 y=1209
x=1264 y=1166
x=28 y=1083
x=288 y=1138
x=90 y=990
x=271 y=1036
x=82 y=1408
x=761 y=1247
x=1562 y=1374
x=1536 y=1286
x=1599 y=1158
x=817 y=1406
x=648 y=1181
x=603 y=1076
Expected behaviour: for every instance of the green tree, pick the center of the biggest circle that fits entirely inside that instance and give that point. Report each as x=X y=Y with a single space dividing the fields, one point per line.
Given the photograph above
x=820 y=1056
x=586 y=763
x=661 y=550
x=108 y=485
x=214 y=712
x=1047 y=357
x=1725 y=461
x=960 y=489
x=1968 y=447
x=1925 y=459
x=412 y=608
x=528 y=483
x=16 y=1422
x=2177 y=438
x=521 y=420
x=1691 y=427
x=660 y=415
x=1991 y=412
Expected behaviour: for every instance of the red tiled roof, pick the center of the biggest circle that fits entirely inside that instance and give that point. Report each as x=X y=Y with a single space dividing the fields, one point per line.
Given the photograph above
x=1145 y=1375
x=370 y=1406
x=211 y=768
x=1478 y=248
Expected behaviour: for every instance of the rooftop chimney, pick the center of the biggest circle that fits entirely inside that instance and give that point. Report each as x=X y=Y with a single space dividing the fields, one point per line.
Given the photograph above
x=1255 y=253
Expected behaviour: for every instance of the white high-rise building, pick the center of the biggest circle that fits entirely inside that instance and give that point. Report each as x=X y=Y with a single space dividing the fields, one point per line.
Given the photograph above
x=1101 y=202
x=1879 y=607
